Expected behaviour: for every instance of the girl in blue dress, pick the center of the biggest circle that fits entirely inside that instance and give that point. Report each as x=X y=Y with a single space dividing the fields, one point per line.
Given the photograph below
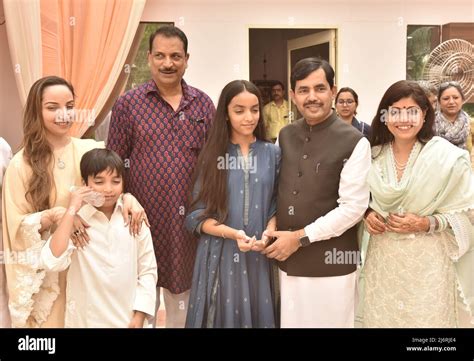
x=233 y=203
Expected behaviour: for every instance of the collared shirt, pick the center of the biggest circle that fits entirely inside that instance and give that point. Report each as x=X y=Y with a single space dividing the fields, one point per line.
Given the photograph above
x=114 y=275
x=276 y=117
x=160 y=146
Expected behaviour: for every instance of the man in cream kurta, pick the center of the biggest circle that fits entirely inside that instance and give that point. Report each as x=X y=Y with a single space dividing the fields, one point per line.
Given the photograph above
x=113 y=276
x=322 y=195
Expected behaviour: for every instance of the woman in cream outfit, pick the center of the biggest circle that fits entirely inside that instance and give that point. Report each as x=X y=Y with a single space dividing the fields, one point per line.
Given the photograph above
x=35 y=191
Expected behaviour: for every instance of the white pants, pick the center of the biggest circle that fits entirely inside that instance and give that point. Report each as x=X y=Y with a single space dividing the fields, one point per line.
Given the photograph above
x=318 y=301
x=176 y=307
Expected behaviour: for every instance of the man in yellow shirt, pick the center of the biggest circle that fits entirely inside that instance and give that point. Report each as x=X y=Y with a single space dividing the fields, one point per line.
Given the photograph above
x=276 y=113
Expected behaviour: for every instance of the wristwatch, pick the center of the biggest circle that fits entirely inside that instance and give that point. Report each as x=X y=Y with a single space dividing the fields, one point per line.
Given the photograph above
x=304 y=241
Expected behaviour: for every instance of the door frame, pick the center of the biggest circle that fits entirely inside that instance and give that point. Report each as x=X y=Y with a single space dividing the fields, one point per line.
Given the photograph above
x=327 y=36
x=335 y=49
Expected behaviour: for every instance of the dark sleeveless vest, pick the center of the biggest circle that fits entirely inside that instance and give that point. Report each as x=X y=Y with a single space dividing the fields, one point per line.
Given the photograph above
x=308 y=185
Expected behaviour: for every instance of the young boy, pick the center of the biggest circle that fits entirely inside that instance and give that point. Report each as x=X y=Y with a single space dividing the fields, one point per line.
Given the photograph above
x=111 y=282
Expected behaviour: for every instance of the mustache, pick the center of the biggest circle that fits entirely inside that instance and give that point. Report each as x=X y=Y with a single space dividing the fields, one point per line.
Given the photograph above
x=310 y=103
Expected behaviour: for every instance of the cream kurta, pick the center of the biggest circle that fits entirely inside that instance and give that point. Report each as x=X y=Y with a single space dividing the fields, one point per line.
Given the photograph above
x=114 y=275
x=36 y=299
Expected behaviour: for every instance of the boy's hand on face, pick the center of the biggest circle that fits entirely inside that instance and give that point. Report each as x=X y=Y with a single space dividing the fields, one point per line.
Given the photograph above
x=77 y=197
x=137 y=320
x=79 y=236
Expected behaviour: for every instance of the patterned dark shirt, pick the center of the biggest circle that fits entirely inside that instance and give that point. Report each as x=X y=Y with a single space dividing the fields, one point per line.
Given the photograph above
x=160 y=148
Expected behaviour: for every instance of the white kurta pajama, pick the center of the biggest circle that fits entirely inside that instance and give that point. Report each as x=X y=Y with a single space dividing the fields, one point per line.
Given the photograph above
x=114 y=275
x=330 y=301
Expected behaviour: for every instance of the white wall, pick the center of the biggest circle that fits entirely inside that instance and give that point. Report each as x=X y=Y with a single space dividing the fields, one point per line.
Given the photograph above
x=371 y=45
x=371 y=36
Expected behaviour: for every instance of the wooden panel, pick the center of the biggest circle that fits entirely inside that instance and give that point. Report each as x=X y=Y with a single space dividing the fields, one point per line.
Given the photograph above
x=458 y=31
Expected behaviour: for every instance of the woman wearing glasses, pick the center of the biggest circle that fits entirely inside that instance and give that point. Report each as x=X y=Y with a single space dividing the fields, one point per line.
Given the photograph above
x=452 y=123
x=419 y=242
x=347 y=101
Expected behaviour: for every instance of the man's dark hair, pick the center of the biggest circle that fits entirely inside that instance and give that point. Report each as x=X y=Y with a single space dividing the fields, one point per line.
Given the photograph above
x=277 y=82
x=306 y=66
x=98 y=160
x=170 y=31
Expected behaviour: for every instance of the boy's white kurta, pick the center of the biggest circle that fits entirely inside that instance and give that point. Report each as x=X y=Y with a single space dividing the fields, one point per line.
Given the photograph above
x=114 y=275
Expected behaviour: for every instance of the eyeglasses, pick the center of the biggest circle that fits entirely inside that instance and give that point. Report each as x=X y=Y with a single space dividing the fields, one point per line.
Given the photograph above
x=348 y=101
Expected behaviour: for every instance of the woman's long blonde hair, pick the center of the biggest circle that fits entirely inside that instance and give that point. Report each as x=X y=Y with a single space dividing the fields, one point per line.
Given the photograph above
x=37 y=151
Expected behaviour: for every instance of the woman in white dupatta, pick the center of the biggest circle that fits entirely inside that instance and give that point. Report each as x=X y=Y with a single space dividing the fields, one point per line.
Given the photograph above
x=418 y=258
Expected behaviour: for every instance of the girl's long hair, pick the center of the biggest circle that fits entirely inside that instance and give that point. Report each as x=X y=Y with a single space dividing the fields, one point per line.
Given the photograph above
x=37 y=151
x=212 y=180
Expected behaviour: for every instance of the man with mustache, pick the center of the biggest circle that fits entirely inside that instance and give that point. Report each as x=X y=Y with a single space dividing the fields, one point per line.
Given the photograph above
x=276 y=113
x=158 y=129
x=322 y=195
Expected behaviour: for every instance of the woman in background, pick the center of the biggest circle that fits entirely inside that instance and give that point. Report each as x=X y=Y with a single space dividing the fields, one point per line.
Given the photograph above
x=347 y=102
x=452 y=123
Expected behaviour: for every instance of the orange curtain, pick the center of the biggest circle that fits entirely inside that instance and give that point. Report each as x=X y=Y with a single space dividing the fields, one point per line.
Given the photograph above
x=87 y=42
x=22 y=19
